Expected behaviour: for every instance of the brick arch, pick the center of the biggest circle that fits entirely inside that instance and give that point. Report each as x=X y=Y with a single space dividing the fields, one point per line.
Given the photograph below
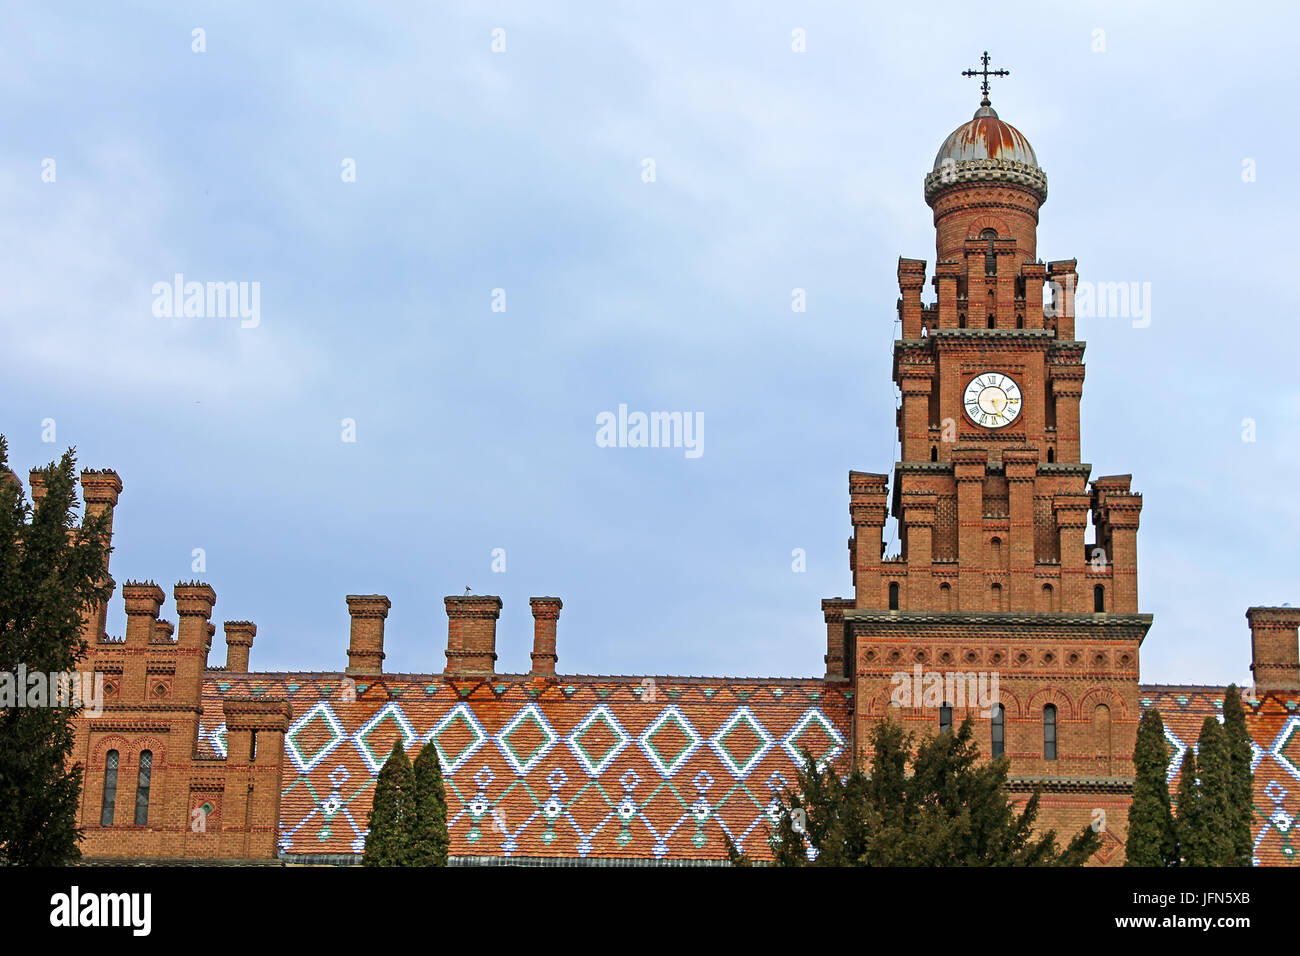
x=113 y=742
x=156 y=745
x=1010 y=704
x=878 y=705
x=1103 y=695
x=1065 y=709
x=985 y=221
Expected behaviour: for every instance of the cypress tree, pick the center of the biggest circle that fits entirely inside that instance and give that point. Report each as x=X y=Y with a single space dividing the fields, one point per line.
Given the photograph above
x=1243 y=781
x=387 y=840
x=1191 y=833
x=1217 y=815
x=1152 y=836
x=51 y=570
x=428 y=820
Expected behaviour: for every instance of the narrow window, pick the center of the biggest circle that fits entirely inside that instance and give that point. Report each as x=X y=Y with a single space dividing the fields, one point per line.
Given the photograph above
x=1099 y=599
x=109 y=801
x=998 y=720
x=1020 y=321
x=1047 y=597
x=1051 y=455
x=995 y=597
x=991 y=322
x=934 y=452
x=996 y=545
x=990 y=258
x=945 y=718
x=961 y=321
x=1049 y=732
x=142 y=788
x=252 y=746
x=945 y=596
x=893 y=595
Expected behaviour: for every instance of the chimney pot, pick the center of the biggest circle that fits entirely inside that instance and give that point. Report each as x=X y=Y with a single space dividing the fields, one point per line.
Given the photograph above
x=1275 y=650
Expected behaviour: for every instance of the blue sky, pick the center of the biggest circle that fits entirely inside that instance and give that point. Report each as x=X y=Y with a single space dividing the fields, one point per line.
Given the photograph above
x=522 y=170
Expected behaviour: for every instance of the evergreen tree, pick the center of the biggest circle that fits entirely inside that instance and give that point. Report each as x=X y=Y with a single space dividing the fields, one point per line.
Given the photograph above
x=1242 y=797
x=51 y=571
x=1190 y=831
x=428 y=821
x=1152 y=835
x=1217 y=816
x=387 y=841
x=951 y=810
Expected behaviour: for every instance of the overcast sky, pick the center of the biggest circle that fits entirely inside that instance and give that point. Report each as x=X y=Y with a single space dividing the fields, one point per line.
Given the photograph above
x=523 y=170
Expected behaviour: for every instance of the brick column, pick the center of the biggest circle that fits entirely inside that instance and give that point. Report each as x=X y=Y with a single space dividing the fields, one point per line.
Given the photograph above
x=239 y=642
x=546 y=611
x=1064 y=278
x=366 y=640
x=1274 y=648
x=1071 y=520
x=1120 y=512
x=868 y=509
x=194 y=602
x=1034 y=274
x=142 y=599
x=911 y=277
x=916 y=387
x=100 y=491
x=970 y=466
x=1067 y=387
x=918 y=522
x=839 y=660
x=472 y=634
x=1021 y=466
x=945 y=283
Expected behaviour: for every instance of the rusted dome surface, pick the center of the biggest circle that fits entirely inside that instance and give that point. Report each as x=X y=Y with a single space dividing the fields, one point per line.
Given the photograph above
x=986 y=137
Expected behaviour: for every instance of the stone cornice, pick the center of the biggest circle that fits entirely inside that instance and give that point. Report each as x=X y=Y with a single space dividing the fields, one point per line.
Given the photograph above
x=999 y=618
x=1071 y=784
x=998 y=172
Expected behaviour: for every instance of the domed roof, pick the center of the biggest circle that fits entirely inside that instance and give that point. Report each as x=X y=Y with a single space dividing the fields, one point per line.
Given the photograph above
x=986 y=137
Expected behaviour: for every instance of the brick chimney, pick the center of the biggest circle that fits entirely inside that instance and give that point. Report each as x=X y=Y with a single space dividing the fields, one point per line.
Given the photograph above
x=546 y=611
x=36 y=481
x=142 y=599
x=1274 y=647
x=472 y=634
x=194 y=602
x=239 y=641
x=838 y=658
x=366 y=643
x=100 y=490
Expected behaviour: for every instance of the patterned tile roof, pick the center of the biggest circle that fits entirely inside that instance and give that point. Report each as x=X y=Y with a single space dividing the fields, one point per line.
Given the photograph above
x=581 y=767
x=1274 y=724
x=627 y=767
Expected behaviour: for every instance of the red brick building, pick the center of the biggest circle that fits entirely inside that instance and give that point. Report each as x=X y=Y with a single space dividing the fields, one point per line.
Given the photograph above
x=997 y=579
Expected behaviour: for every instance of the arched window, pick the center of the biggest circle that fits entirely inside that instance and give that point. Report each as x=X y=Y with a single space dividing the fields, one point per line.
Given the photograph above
x=995 y=546
x=990 y=259
x=945 y=596
x=961 y=320
x=1099 y=598
x=109 y=801
x=995 y=597
x=998 y=724
x=893 y=595
x=945 y=718
x=1051 y=455
x=1047 y=598
x=142 y=788
x=1020 y=321
x=934 y=452
x=1101 y=732
x=992 y=322
x=1049 y=732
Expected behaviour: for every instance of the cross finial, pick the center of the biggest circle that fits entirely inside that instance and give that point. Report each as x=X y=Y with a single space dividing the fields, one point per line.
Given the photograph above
x=985 y=73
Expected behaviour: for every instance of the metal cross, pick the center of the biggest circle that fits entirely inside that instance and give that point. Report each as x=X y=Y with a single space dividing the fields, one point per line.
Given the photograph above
x=985 y=73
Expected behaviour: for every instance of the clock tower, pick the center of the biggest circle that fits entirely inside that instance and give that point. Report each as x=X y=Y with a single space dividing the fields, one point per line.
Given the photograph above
x=1004 y=601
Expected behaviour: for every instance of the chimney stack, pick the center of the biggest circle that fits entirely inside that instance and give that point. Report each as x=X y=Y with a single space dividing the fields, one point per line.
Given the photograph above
x=239 y=641
x=472 y=634
x=36 y=481
x=839 y=658
x=366 y=643
x=546 y=611
x=1274 y=647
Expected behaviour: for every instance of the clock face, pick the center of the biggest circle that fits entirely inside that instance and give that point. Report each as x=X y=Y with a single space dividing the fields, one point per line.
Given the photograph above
x=992 y=400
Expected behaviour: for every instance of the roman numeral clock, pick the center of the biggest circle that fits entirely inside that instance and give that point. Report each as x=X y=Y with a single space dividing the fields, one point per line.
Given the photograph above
x=992 y=399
